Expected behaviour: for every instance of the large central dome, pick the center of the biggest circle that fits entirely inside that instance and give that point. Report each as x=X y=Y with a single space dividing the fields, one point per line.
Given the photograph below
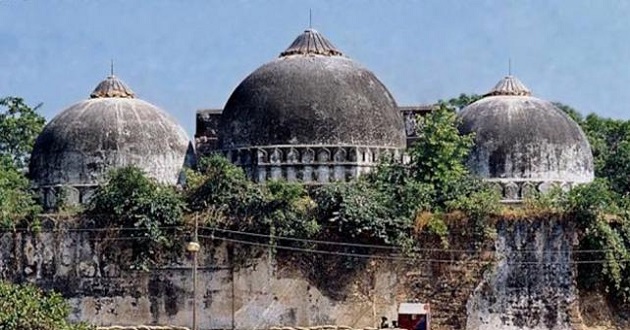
x=311 y=95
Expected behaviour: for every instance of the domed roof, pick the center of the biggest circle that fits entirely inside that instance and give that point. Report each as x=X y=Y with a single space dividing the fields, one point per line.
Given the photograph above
x=312 y=95
x=112 y=129
x=518 y=136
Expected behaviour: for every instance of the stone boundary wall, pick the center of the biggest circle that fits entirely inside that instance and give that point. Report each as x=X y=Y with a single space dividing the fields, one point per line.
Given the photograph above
x=328 y=327
x=517 y=290
x=161 y=327
x=142 y=327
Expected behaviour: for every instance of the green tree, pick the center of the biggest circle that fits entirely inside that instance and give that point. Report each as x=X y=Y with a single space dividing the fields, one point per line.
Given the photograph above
x=574 y=114
x=16 y=199
x=359 y=212
x=438 y=156
x=458 y=103
x=146 y=213
x=220 y=185
x=221 y=192
x=25 y=307
x=407 y=194
x=610 y=144
x=383 y=206
x=19 y=127
x=288 y=210
x=603 y=218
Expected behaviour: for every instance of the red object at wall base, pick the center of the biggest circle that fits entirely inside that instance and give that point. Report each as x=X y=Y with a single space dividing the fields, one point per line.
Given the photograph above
x=409 y=314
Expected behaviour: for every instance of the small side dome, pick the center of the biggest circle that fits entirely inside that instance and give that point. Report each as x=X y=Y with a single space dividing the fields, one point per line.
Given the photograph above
x=311 y=95
x=111 y=129
x=524 y=142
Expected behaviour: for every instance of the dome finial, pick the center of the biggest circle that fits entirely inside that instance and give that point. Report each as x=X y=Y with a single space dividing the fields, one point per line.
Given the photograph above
x=112 y=87
x=310 y=18
x=311 y=42
x=509 y=66
x=509 y=86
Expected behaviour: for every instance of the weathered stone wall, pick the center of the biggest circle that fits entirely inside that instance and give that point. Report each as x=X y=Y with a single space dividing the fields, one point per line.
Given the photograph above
x=142 y=327
x=525 y=291
x=531 y=285
x=104 y=293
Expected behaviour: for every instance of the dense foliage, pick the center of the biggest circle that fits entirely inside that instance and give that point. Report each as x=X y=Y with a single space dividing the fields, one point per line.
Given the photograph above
x=144 y=213
x=380 y=208
x=25 y=307
x=458 y=103
x=360 y=212
x=16 y=200
x=222 y=194
x=610 y=143
x=19 y=127
x=438 y=156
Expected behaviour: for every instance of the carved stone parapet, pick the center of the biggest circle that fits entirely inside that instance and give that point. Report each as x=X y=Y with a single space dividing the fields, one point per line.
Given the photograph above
x=52 y=196
x=315 y=164
x=515 y=190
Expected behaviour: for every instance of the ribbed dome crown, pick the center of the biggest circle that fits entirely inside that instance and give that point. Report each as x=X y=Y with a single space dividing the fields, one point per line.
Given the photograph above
x=509 y=86
x=518 y=136
x=112 y=87
x=111 y=129
x=311 y=94
x=311 y=42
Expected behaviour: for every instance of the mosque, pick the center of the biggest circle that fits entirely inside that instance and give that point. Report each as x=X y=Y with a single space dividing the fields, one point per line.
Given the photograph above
x=312 y=115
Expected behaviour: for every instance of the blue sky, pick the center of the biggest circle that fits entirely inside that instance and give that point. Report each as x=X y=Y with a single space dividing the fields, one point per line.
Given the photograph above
x=188 y=55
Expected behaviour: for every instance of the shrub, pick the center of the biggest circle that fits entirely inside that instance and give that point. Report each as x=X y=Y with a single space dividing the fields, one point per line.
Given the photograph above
x=602 y=217
x=227 y=199
x=356 y=211
x=219 y=184
x=141 y=211
x=16 y=200
x=25 y=307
